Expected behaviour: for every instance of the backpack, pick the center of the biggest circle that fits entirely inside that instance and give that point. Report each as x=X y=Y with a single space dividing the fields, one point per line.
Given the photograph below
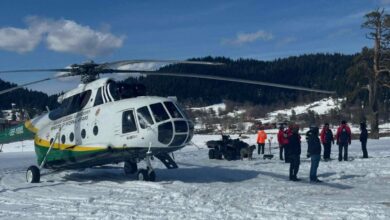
x=344 y=136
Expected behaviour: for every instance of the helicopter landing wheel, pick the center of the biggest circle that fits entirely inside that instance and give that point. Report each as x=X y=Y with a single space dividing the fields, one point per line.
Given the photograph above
x=145 y=175
x=142 y=175
x=130 y=167
x=33 y=175
x=152 y=176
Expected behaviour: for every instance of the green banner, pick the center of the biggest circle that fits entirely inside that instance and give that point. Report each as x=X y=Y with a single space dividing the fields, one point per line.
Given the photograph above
x=16 y=133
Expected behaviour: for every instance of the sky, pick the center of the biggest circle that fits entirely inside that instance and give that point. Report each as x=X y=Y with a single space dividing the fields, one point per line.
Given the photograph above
x=55 y=34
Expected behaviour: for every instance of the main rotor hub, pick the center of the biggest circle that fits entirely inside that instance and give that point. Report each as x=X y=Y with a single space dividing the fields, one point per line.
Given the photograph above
x=88 y=71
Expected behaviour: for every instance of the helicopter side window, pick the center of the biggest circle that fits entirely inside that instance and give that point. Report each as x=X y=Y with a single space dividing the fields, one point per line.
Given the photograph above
x=98 y=98
x=144 y=117
x=128 y=122
x=159 y=112
x=173 y=111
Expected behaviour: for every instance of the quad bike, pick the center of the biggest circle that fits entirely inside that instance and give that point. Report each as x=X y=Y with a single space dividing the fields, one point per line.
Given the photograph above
x=226 y=148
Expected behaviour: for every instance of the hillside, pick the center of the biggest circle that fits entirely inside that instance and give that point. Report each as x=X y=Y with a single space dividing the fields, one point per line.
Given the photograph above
x=321 y=71
x=25 y=98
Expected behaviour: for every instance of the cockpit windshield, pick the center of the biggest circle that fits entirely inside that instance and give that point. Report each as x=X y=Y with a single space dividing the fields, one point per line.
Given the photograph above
x=173 y=111
x=144 y=117
x=159 y=112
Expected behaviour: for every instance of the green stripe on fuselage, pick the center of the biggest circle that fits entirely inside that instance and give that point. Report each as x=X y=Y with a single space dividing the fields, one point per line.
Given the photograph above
x=60 y=158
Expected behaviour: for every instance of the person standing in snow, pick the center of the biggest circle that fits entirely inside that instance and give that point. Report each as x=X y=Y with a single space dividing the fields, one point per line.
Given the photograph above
x=282 y=140
x=293 y=151
x=314 y=150
x=363 y=138
x=327 y=140
x=261 y=137
x=343 y=137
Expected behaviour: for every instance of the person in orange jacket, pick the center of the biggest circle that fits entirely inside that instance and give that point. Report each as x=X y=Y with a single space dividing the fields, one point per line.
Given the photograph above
x=261 y=137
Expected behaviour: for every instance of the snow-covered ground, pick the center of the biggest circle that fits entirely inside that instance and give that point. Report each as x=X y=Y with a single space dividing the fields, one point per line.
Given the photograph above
x=202 y=188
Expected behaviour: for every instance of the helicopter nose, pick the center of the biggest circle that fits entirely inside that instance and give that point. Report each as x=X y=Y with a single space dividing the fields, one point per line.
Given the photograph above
x=175 y=132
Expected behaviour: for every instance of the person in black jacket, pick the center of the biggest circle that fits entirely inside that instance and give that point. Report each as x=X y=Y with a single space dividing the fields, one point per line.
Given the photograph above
x=293 y=152
x=314 y=149
x=327 y=140
x=363 y=138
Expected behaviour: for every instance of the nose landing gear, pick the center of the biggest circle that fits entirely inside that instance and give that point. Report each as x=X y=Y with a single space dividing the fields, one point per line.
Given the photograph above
x=147 y=174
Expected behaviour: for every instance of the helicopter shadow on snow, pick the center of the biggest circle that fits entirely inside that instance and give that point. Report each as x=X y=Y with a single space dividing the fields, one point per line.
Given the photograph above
x=198 y=174
x=187 y=173
x=204 y=174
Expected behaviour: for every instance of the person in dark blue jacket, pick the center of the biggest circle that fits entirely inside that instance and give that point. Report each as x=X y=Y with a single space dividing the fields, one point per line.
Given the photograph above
x=363 y=138
x=314 y=150
x=293 y=151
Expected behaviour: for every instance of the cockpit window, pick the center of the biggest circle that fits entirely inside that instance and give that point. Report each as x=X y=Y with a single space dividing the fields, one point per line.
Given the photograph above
x=128 y=122
x=159 y=112
x=173 y=111
x=144 y=117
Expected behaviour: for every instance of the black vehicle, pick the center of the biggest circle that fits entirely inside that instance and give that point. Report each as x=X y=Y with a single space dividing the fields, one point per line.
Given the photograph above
x=227 y=148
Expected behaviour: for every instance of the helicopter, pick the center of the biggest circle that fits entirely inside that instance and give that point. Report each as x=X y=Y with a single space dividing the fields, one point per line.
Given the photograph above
x=104 y=121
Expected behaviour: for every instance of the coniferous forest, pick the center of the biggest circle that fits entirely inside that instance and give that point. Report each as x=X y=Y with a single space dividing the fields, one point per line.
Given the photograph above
x=320 y=71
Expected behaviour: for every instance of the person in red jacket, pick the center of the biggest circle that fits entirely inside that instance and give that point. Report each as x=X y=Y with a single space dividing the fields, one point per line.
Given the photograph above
x=327 y=140
x=343 y=138
x=282 y=140
x=293 y=151
x=261 y=137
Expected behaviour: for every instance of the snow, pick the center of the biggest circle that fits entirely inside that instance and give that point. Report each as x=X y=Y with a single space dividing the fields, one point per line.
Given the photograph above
x=202 y=188
x=218 y=109
x=321 y=107
x=215 y=108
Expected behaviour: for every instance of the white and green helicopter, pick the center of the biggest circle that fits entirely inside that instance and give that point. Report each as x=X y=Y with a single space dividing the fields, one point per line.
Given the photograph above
x=104 y=122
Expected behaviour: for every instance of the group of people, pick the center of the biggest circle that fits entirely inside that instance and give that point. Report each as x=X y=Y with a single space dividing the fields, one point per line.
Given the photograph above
x=289 y=141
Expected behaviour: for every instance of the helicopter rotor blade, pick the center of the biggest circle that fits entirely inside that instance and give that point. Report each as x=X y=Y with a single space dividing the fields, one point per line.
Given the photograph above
x=36 y=70
x=221 y=78
x=32 y=83
x=128 y=62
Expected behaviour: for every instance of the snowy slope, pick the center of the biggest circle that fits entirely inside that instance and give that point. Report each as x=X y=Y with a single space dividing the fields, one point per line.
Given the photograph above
x=320 y=107
x=203 y=189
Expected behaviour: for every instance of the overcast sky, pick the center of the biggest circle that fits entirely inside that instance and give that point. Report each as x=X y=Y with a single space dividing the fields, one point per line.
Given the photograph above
x=55 y=34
